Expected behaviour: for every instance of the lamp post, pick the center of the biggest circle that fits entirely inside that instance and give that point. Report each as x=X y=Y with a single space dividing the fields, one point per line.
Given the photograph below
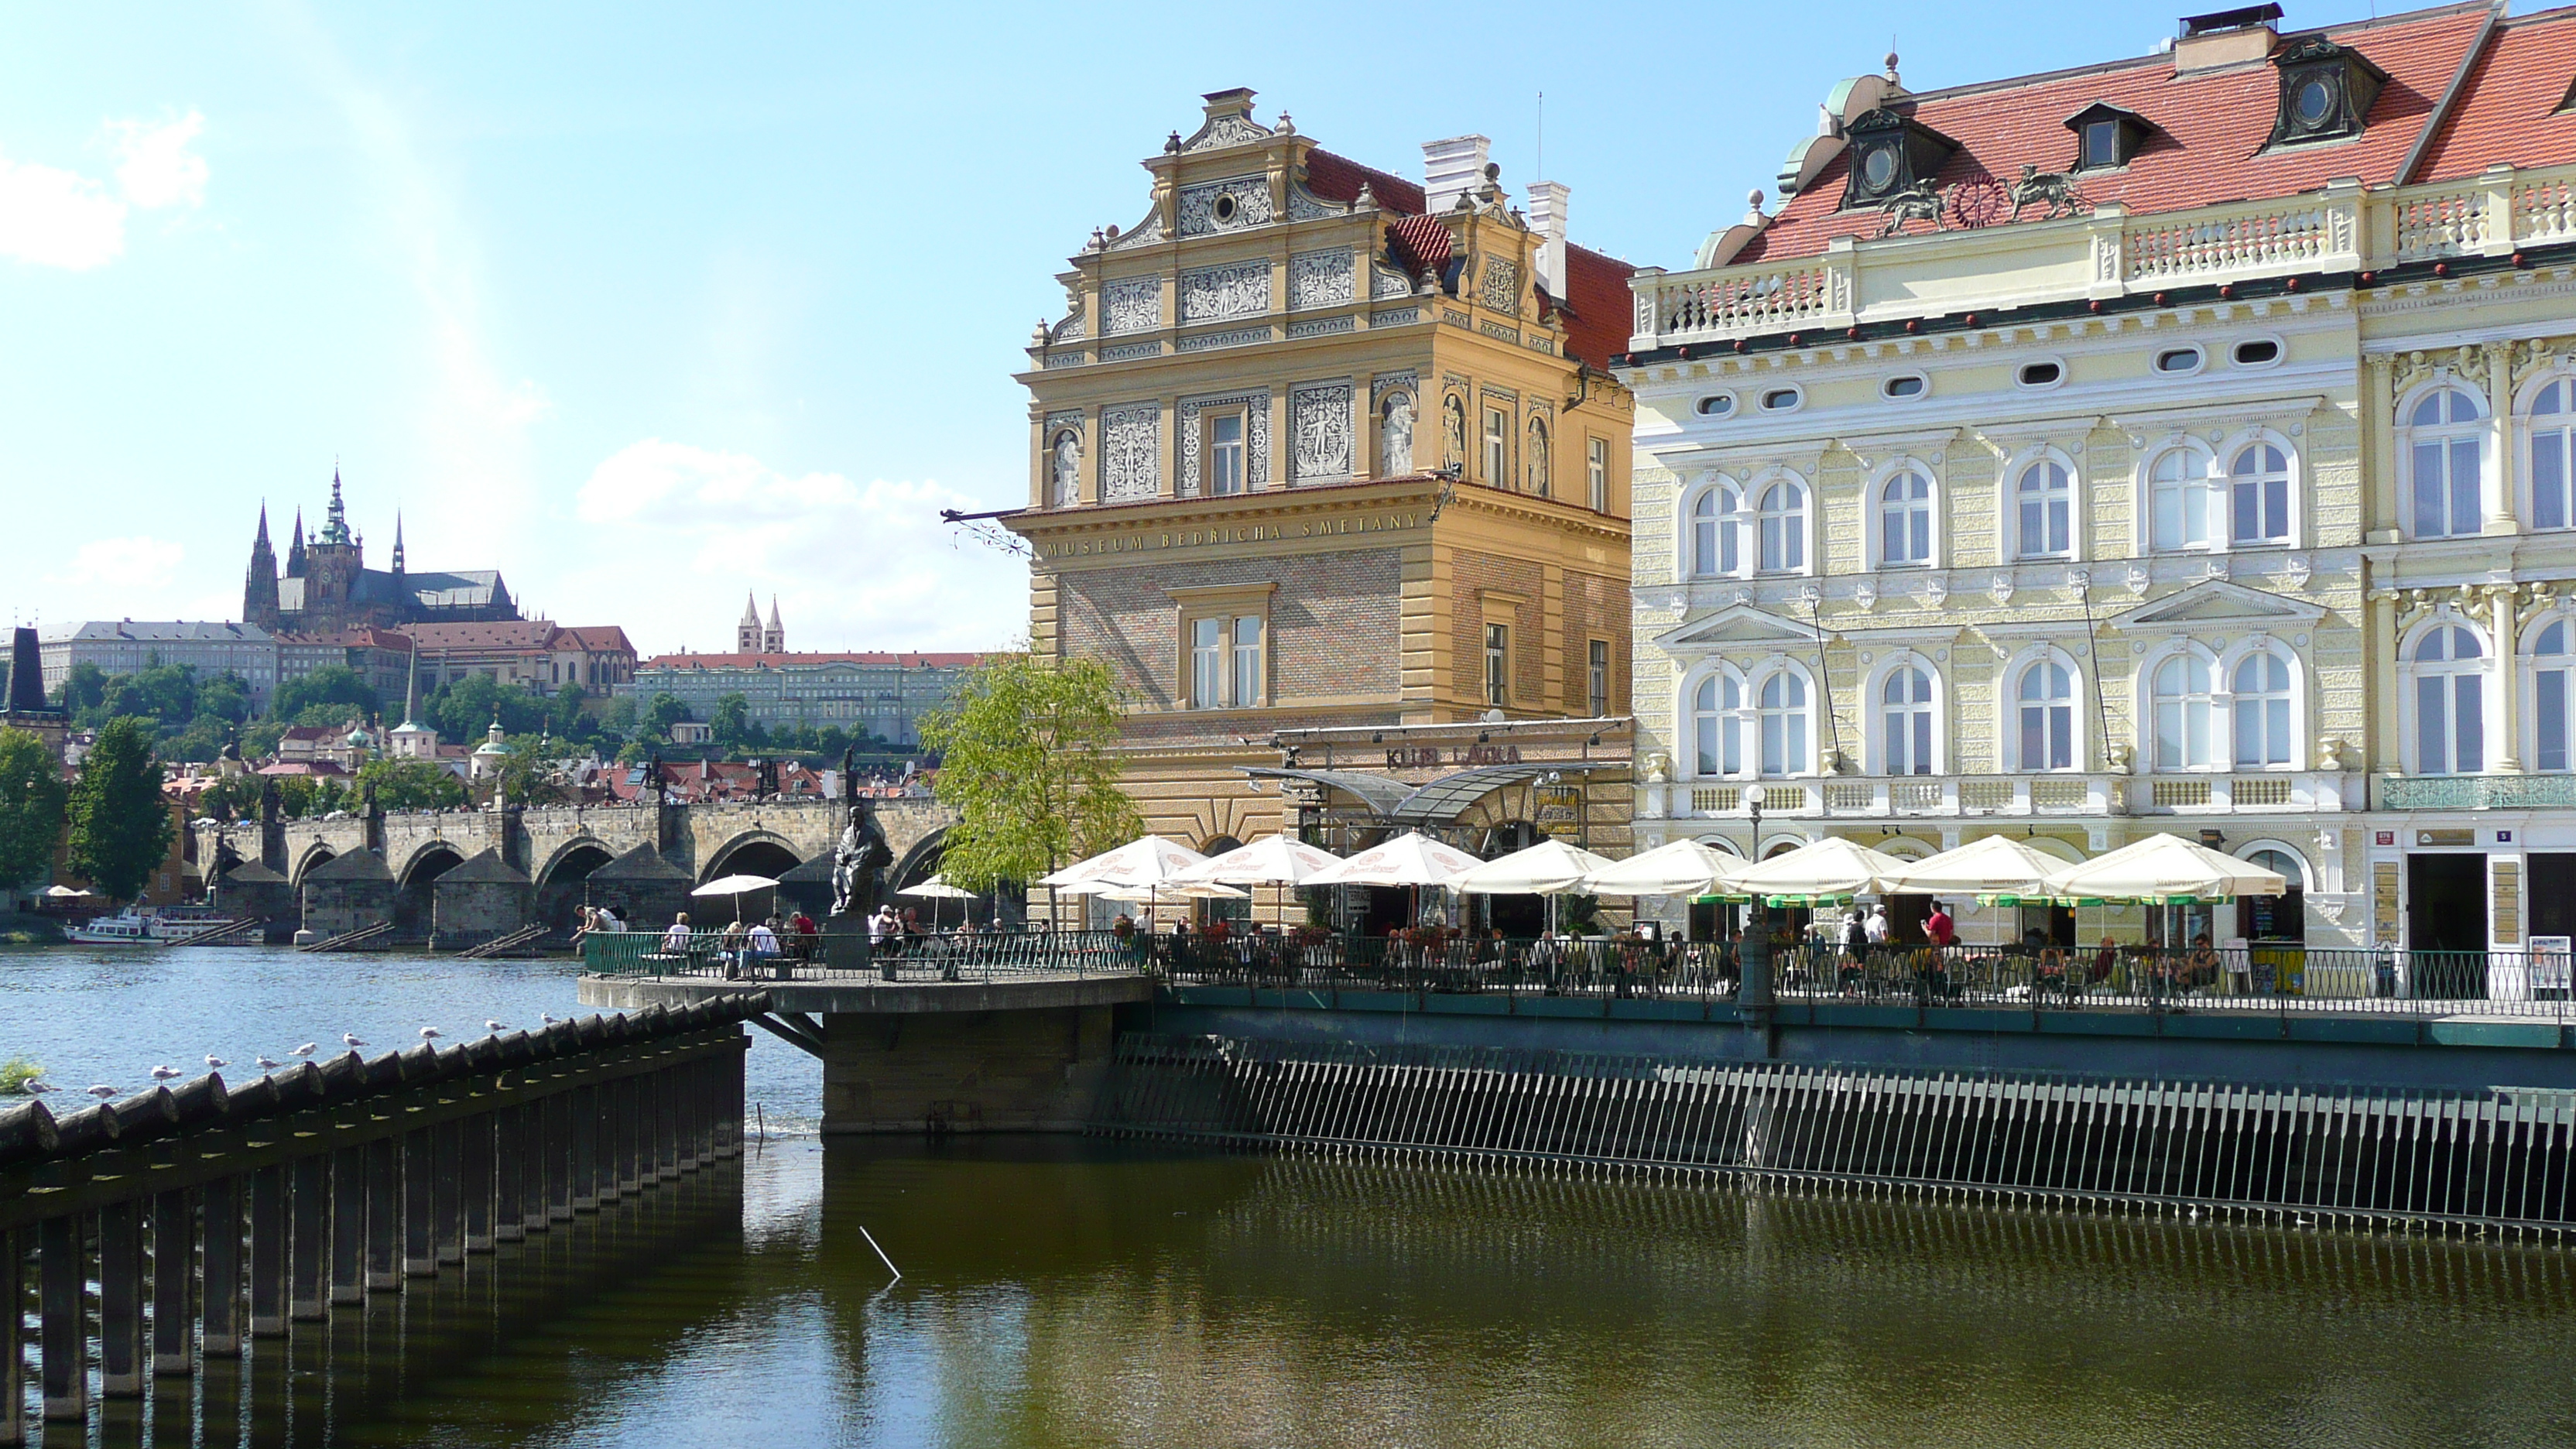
x=1753 y=996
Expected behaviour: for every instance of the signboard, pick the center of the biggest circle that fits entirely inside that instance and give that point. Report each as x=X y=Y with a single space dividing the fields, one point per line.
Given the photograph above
x=1558 y=810
x=2386 y=837
x=2445 y=838
x=2549 y=958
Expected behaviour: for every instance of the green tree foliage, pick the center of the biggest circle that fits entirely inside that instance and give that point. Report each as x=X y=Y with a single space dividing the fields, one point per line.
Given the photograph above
x=332 y=684
x=664 y=711
x=237 y=793
x=225 y=697
x=84 y=685
x=309 y=797
x=732 y=723
x=463 y=709
x=1027 y=762
x=31 y=806
x=120 y=829
x=412 y=785
x=165 y=694
x=564 y=716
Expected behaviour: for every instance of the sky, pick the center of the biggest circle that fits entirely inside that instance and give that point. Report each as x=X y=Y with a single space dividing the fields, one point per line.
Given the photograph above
x=654 y=306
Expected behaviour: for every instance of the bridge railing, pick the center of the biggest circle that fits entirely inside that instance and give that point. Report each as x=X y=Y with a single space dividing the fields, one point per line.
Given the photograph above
x=836 y=956
x=2278 y=979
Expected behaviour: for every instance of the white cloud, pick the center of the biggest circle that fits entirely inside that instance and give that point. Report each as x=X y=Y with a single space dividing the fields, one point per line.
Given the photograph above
x=671 y=536
x=50 y=217
x=138 y=561
x=155 y=168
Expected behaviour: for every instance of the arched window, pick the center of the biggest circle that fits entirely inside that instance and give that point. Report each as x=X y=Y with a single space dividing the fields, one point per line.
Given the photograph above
x=1713 y=525
x=1905 y=519
x=1717 y=729
x=2260 y=482
x=2047 y=697
x=2551 y=665
x=2446 y=439
x=1783 y=520
x=2185 y=501
x=2553 y=455
x=1905 y=720
x=1784 y=724
x=2450 y=702
x=1536 y=462
x=2262 y=689
x=2183 y=710
x=2046 y=515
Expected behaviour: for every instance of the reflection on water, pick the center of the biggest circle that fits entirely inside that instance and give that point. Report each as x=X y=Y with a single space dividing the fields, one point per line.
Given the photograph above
x=1062 y=1293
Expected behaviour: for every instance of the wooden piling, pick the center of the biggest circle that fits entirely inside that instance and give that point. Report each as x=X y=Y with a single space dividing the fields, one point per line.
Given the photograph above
x=120 y=1300
x=268 y=1252
x=62 y=1274
x=348 y=1225
x=13 y=1354
x=474 y=1180
x=384 y=1215
x=419 y=1209
x=219 y=1206
x=584 y=1122
x=446 y=1194
x=512 y=1157
x=174 y=1281
x=308 y=1297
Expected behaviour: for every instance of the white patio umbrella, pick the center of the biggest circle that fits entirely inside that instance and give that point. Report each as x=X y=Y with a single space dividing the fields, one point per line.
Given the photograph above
x=736 y=886
x=1829 y=870
x=1412 y=859
x=1275 y=860
x=1675 y=868
x=1191 y=890
x=1993 y=866
x=1550 y=868
x=2165 y=870
x=936 y=890
x=1146 y=860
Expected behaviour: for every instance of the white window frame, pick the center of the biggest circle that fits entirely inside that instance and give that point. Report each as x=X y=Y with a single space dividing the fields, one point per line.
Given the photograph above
x=2528 y=427
x=1596 y=473
x=2077 y=745
x=2238 y=450
x=1725 y=525
x=1596 y=677
x=1779 y=524
x=2412 y=673
x=1212 y=453
x=2534 y=664
x=2182 y=707
x=2017 y=547
x=2293 y=702
x=1784 y=677
x=1925 y=511
x=2410 y=435
x=1498 y=663
x=2211 y=484
x=1933 y=741
x=1497 y=445
x=1719 y=722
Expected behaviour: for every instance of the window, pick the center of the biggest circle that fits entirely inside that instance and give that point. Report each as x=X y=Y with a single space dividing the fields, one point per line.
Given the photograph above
x=1905 y=519
x=2047 y=717
x=2185 y=502
x=1717 y=731
x=1207 y=663
x=2040 y=374
x=2045 y=512
x=2261 y=352
x=1596 y=474
x=2551 y=666
x=1784 y=724
x=1781 y=399
x=2553 y=455
x=2260 y=481
x=2178 y=359
x=1912 y=384
x=1225 y=453
x=1536 y=459
x=1498 y=447
x=2100 y=145
x=2183 y=710
x=1717 y=405
x=2445 y=445
x=1783 y=521
x=1906 y=720
x=2262 y=690
x=1498 y=663
x=1247 y=662
x=1713 y=549
x=2450 y=702
x=1597 y=676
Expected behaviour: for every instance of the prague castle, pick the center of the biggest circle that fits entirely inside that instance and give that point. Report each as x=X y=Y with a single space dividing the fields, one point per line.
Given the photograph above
x=326 y=585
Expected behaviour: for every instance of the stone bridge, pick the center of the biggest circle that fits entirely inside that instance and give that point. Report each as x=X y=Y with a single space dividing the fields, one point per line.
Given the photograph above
x=550 y=853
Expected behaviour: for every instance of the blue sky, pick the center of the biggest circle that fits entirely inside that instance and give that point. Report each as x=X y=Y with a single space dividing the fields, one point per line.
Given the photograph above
x=650 y=305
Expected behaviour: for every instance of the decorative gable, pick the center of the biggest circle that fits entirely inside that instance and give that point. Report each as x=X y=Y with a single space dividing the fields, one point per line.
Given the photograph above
x=1738 y=624
x=2213 y=600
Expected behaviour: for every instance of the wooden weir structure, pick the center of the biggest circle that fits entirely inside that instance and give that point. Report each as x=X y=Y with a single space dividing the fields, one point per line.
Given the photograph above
x=159 y=1231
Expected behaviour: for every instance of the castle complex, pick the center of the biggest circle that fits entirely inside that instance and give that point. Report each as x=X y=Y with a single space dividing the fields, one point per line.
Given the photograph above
x=326 y=585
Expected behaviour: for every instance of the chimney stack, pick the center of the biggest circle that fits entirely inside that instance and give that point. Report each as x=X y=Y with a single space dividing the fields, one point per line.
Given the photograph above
x=1451 y=169
x=1547 y=218
x=2225 y=37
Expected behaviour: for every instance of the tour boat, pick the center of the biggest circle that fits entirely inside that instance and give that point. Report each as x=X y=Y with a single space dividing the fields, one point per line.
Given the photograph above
x=122 y=929
x=184 y=923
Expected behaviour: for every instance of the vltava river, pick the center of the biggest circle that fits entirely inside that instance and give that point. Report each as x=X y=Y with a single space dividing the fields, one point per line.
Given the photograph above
x=1072 y=1293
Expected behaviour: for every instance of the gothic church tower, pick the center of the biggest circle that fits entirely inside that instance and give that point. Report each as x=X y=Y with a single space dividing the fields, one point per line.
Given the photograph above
x=259 y=587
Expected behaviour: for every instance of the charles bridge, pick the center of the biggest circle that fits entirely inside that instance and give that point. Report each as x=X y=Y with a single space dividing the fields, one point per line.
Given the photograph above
x=460 y=878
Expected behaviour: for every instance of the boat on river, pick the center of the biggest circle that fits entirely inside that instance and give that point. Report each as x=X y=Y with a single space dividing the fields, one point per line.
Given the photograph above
x=130 y=927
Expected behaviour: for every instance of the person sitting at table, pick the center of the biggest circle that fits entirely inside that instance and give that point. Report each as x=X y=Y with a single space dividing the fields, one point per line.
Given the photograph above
x=2104 y=960
x=760 y=946
x=675 y=941
x=609 y=920
x=730 y=946
x=2050 y=974
x=2200 y=968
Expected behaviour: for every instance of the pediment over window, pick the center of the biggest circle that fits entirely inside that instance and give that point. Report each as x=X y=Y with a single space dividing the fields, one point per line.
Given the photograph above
x=1739 y=624
x=2216 y=599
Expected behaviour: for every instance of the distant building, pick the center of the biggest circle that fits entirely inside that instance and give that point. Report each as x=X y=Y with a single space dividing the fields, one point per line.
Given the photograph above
x=123 y=646
x=883 y=694
x=326 y=586
x=22 y=693
x=753 y=637
x=542 y=655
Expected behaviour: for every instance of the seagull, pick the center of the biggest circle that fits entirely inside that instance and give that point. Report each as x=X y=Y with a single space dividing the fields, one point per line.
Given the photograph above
x=267 y=1065
x=546 y=1017
x=350 y=1039
x=305 y=1050
x=494 y=1026
x=102 y=1093
x=37 y=1089
x=216 y=1062
x=163 y=1074
x=429 y=1033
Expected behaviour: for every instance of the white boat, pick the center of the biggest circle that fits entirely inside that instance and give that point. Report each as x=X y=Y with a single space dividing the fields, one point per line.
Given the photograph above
x=125 y=928
x=184 y=923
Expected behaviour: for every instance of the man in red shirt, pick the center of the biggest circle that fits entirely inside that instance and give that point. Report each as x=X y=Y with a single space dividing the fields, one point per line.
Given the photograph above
x=1938 y=928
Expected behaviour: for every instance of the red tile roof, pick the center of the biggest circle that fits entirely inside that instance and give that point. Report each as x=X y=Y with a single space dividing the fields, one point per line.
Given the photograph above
x=1337 y=178
x=1595 y=310
x=788 y=661
x=1419 y=244
x=2212 y=125
x=595 y=639
x=529 y=635
x=2509 y=113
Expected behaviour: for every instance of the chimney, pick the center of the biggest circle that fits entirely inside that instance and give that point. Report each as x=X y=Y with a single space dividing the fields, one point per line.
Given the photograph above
x=1547 y=218
x=1451 y=169
x=2225 y=37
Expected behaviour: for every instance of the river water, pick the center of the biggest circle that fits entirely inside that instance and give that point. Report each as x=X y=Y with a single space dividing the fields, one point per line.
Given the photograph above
x=1070 y=1293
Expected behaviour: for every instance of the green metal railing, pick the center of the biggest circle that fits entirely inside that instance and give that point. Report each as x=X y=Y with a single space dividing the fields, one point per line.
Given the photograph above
x=850 y=956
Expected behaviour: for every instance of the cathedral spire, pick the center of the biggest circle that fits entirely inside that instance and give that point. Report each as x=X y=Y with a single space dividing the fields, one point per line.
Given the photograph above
x=398 y=547
x=335 y=525
x=746 y=635
x=773 y=640
x=295 y=548
x=259 y=584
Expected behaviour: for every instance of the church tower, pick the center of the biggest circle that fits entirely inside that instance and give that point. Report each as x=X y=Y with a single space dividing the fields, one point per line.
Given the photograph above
x=398 y=547
x=746 y=635
x=295 y=548
x=773 y=640
x=259 y=586
x=332 y=563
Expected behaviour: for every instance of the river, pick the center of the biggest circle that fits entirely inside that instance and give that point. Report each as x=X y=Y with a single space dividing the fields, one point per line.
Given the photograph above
x=1069 y=1292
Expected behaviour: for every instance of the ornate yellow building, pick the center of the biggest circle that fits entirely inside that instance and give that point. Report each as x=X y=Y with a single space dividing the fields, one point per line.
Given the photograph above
x=1328 y=466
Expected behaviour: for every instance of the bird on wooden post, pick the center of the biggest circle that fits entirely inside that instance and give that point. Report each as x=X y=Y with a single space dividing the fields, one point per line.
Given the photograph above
x=215 y=1062
x=429 y=1033
x=350 y=1039
x=305 y=1050
x=164 y=1073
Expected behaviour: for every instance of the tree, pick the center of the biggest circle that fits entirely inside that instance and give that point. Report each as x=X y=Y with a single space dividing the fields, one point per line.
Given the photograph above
x=166 y=694
x=120 y=829
x=31 y=806
x=1028 y=766
x=412 y=784
x=463 y=709
x=333 y=684
x=665 y=711
x=84 y=685
x=732 y=722
x=226 y=696
x=564 y=717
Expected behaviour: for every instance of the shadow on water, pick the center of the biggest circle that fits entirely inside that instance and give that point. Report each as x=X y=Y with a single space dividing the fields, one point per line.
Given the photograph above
x=1062 y=1292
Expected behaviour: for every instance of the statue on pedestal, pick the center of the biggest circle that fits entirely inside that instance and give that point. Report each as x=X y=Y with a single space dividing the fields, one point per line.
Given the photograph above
x=860 y=860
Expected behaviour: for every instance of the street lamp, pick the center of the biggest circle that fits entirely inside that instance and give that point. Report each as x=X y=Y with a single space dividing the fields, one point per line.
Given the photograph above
x=1753 y=996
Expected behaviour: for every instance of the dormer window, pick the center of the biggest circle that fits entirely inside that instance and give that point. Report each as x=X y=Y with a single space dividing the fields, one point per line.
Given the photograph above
x=2326 y=91
x=1891 y=154
x=2107 y=136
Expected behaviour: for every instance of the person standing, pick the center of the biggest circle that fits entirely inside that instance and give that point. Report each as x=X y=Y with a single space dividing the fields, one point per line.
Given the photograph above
x=1876 y=926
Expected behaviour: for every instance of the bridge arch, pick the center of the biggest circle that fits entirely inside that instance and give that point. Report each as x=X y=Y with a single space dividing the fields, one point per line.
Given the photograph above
x=753 y=852
x=919 y=863
x=420 y=871
x=922 y=862
x=563 y=881
x=314 y=855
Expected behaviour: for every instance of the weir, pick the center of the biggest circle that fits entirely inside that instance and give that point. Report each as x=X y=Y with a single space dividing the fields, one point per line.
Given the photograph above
x=205 y=1216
